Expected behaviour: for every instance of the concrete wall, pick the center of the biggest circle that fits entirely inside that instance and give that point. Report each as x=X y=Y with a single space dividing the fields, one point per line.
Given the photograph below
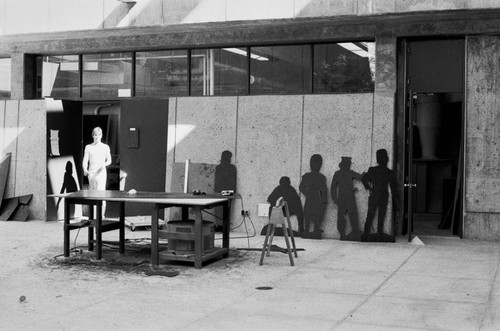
x=34 y=16
x=482 y=158
x=22 y=133
x=274 y=136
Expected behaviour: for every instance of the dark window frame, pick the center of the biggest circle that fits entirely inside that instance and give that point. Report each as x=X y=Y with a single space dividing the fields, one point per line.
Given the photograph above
x=190 y=50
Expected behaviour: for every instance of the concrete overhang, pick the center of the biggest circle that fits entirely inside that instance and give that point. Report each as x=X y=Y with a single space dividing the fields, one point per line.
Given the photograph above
x=261 y=32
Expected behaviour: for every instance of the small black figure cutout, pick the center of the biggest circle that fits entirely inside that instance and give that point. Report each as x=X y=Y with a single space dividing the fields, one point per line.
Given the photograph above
x=225 y=180
x=290 y=195
x=225 y=174
x=69 y=184
x=313 y=186
x=342 y=193
x=377 y=180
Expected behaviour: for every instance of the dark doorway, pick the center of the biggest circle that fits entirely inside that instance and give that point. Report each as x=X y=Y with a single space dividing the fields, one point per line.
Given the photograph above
x=433 y=137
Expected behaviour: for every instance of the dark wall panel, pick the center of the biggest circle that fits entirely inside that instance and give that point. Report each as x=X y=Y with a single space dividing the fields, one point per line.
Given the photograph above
x=143 y=147
x=436 y=65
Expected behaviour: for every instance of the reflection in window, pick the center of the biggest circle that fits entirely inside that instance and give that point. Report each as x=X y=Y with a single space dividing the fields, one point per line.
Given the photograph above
x=5 y=70
x=59 y=76
x=335 y=68
x=162 y=73
x=219 y=71
x=107 y=75
x=280 y=69
x=344 y=67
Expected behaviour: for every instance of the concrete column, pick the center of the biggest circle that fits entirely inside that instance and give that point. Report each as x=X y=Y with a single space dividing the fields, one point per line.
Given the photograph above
x=17 y=74
x=23 y=76
x=385 y=88
x=482 y=150
x=383 y=107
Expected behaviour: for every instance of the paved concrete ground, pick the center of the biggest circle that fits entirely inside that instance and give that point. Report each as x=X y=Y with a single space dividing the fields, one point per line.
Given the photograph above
x=446 y=284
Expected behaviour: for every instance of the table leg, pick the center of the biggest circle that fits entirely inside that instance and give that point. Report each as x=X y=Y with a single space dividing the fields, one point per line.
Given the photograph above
x=122 y=227
x=198 y=235
x=67 y=206
x=154 y=234
x=91 y=229
x=98 y=230
x=225 y=227
x=185 y=213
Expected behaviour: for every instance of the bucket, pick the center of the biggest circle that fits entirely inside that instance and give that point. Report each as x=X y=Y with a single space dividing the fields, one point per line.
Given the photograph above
x=428 y=115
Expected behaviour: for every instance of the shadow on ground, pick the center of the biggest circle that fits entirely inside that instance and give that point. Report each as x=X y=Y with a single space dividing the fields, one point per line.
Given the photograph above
x=136 y=260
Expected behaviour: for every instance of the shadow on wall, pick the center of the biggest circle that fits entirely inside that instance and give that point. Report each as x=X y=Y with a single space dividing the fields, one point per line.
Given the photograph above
x=377 y=180
x=275 y=137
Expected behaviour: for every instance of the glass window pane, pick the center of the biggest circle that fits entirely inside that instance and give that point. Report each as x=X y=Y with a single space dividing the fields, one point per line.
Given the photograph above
x=107 y=75
x=280 y=69
x=59 y=76
x=221 y=71
x=5 y=72
x=344 y=67
x=162 y=73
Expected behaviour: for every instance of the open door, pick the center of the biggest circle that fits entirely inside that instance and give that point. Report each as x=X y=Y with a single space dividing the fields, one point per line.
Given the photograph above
x=433 y=137
x=409 y=184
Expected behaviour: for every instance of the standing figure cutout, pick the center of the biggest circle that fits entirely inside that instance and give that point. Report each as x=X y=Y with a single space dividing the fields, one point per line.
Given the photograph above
x=313 y=186
x=225 y=174
x=96 y=158
x=225 y=180
x=69 y=185
x=342 y=193
x=290 y=195
x=377 y=180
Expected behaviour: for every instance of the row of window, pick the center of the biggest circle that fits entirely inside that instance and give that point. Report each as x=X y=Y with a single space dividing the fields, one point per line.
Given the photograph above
x=291 y=69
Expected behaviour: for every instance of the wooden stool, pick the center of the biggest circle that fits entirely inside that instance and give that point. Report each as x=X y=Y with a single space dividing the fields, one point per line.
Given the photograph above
x=277 y=218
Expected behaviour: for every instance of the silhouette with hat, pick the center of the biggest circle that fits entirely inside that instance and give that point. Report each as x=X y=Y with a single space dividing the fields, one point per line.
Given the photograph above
x=377 y=180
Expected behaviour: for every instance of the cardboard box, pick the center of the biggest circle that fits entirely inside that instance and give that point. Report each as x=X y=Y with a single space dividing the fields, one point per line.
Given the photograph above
x=187 y=246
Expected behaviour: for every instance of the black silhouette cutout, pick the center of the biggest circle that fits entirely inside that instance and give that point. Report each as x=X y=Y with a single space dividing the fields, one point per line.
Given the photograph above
x=225 y=174
x=225 y=180
x=342 y=193
x=377 y=180
x=313 y=186
x=290 y=195
x=69 y=184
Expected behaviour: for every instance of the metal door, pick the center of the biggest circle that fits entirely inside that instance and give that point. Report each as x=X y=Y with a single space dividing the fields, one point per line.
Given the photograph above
x=409 y=184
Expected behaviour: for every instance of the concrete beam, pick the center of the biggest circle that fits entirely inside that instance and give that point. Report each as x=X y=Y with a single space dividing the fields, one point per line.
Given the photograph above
x=453 y=22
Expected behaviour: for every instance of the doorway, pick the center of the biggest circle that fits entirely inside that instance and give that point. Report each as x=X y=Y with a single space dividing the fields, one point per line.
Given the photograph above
x=135 y=131
x=434 y=132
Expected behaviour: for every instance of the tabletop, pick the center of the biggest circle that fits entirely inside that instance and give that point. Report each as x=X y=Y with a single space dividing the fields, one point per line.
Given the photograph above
x=147 y=197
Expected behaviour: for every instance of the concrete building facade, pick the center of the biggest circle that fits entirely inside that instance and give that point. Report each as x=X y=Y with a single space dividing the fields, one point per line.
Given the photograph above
x=421 y=48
